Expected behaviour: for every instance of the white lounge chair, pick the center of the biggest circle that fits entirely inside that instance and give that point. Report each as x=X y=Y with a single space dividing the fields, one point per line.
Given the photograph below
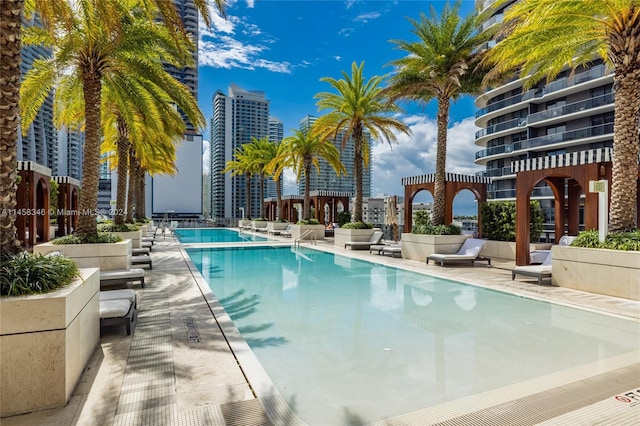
x=469 y=252
x=537 y=271
x=142 y=261
x=374 y=239
x=122 y=277
x=117 y=312
x=392 y=250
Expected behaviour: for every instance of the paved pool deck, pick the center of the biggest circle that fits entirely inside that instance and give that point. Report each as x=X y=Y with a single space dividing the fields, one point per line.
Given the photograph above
x=178 y=366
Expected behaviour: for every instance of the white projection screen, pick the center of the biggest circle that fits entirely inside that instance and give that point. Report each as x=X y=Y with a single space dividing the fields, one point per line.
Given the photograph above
x=181 y=194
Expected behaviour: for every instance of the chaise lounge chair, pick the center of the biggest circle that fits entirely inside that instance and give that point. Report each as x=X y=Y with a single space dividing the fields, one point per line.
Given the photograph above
x=363 y=245
x=122 y=277
x=392 y=250
x=118 y=307
x=537 y=271
x=469 y=252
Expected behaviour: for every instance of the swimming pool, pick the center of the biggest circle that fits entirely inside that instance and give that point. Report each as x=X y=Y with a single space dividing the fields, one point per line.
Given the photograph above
x=215 y=235
x=349 y=342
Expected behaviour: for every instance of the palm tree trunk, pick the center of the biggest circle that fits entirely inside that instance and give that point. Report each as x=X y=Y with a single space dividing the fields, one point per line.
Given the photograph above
x=123 y=170
x=247 y=181
x=141 y=207
x=626 y=148
x=88 y=204
x=279 y=199
x=133 y=173
x=358 y=137
x=262 y=195
x=10 y=44
x=306 y=207
x=439 y=202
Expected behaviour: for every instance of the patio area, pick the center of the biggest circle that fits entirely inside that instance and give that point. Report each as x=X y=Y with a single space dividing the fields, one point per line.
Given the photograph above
x=177 y=367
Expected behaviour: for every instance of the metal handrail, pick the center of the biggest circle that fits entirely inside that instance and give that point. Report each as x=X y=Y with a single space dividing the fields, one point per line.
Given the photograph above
x=297 y=241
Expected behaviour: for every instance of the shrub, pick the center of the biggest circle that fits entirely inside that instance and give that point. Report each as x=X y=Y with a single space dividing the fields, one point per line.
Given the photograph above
x=436 y=229
x=499 y=220
x=357 y=225
x=344 y=218
x=86 y=239
x=112 y=227
x=625 y=241
x=308 y=222
x=421 y=218
x=26 y=273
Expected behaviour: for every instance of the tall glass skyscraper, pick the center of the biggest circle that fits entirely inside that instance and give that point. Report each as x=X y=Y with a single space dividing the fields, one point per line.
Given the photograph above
x=572 y=113
x=237 y=117
x=327 y=179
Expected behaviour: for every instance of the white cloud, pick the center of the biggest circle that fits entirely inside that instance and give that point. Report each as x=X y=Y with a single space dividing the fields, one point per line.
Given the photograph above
x=366 y=17
x=219 y=46
x=206 y=153
x=289 y=182
x=416 y=155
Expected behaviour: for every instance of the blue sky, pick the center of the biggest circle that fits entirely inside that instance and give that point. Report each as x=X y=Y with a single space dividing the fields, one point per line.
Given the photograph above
x=284 y=47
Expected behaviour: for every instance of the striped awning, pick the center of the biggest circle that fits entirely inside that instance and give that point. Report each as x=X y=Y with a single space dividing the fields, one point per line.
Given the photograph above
x=450 y=177
x=599 y=155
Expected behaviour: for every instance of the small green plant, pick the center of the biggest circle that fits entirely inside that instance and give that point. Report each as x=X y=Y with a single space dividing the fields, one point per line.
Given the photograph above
x=357 y=225
x=86 y=239
x=26 y=273
x=344 y=218
x=112 y=227
x=436 y=229
x=54 y=190
x=499 y=220
x=625 y=241
x=308 y=222
x=421 y=218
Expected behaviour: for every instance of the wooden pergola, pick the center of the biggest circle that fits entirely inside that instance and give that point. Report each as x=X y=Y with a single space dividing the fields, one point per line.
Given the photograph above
x=32 y=207
x=568 y=176
x=333 y=201
x=68 y=196
x=454 y=183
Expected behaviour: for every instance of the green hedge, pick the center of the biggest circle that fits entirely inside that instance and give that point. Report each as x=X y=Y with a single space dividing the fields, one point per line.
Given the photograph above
x=26 y=273
x=86 y=239
x=344 y=217
x=499 y=220
x=626 y=241
x=422 y=225
x=357 y=225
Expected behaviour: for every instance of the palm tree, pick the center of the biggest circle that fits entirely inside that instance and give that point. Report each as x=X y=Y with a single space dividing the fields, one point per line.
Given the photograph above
x=303 y=150
x=575 y=32
x=439 y=66
x=358 y=108
x=274 y=168
x=260 y=154
x=242 y=165
x=97 y=51
x=11 y=12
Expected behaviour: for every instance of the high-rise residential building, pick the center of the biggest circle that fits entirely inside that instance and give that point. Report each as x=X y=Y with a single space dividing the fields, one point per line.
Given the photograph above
x=327 y=179
x=237 y=117
x=572 y=113
x=181 y=194
x=70 y=144
x=276 y=134
x=40 y=144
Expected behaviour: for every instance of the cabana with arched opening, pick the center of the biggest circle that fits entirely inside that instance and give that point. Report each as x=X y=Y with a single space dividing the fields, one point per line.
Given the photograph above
x=32 y=207
x=67 y=211
x=568 y=176
x=325 y=204
x=454 y=183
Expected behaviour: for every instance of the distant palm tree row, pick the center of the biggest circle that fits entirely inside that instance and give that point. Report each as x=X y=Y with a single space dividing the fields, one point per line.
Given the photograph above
x=108 y=74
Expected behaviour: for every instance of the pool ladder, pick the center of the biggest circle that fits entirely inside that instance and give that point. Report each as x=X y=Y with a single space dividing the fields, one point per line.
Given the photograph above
x=297 y=241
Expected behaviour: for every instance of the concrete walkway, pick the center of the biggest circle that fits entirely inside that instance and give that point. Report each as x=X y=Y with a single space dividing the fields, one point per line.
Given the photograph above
x=177 y=368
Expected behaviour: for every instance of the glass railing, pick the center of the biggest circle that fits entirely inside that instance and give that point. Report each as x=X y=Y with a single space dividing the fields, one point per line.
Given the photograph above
x=571 y=108
x=586 y=132
x=493 y=20
x=501 y=171
x=562 y=83
x=500 y=149
x=516 y=122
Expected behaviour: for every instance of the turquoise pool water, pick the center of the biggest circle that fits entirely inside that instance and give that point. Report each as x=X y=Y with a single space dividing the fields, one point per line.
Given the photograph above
x=214 y=235
x=348 y=342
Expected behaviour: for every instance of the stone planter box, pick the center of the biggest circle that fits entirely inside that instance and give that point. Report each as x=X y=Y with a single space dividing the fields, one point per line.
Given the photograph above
x=46 y=341
x=419 y=246
x=297 y=230
x=134 y=236
x=106 y=256
x=259 y=225
x=611 y=272
x=276 y=226
x=341 y=235
x=506 y=250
